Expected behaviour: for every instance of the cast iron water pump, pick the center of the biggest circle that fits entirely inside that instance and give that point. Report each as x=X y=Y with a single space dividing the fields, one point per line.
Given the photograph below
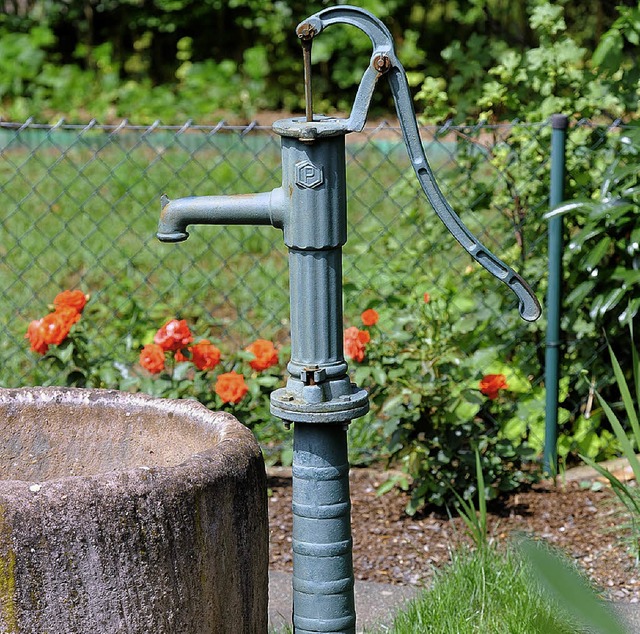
x=311 y=209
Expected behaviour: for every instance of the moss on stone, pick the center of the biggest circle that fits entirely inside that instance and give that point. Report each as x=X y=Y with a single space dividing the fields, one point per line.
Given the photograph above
x=8 y=611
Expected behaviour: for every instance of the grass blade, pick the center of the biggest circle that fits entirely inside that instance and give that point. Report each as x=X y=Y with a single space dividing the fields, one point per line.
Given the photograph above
x=622 y=437
x=622 y=491
x=635 y=361
x=482 y=500
x=626 y=395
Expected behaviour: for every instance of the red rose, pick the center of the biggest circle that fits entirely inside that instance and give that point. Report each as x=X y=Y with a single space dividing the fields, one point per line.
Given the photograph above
x=36 y=336
x=491 y=383
x=265 y=354
x=152 y=358
x=204 y=355
x=231 y=387
x=369 y=317
x=427 y=298
x=73 y=299
x=354 y=342
x=174 y=335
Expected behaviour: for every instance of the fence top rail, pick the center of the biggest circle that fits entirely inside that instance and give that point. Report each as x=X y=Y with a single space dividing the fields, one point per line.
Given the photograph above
x=222 y=126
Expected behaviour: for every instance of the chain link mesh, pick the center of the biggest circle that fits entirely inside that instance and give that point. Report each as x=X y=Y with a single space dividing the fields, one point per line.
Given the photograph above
x=80 y=206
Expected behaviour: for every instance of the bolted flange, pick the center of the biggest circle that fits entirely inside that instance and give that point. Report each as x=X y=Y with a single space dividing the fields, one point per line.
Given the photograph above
x=303 y=404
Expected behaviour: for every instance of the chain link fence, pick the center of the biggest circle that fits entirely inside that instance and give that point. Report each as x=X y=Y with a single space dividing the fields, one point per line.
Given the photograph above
x=80 y=205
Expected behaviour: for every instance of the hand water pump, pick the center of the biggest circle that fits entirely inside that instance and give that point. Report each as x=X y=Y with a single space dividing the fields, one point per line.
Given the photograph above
x=319 y=398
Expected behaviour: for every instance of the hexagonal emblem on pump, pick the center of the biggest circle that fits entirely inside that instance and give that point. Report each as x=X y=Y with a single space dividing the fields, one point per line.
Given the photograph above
x=308 y=175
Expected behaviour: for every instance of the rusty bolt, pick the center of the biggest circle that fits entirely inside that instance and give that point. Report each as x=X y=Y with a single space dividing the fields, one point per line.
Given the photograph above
x=381 y=63
x=306 y=31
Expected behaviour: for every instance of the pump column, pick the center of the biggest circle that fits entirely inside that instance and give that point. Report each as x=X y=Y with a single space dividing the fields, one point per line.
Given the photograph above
x=319 y=397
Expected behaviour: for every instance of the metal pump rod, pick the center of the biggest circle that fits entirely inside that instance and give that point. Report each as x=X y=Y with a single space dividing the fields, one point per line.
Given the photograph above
x=311 y=209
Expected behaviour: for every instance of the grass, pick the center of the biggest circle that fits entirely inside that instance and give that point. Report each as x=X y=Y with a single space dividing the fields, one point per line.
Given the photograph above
x=485 y=591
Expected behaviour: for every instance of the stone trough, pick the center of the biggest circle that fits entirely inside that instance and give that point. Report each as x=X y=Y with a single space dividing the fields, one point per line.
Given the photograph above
x=125 y=513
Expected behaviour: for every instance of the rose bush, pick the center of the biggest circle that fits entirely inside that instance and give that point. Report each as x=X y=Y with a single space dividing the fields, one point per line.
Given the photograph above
x=433 y=405
x=169 y=362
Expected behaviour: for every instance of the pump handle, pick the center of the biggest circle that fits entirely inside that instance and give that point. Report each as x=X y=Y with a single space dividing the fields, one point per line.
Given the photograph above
x=384 y=61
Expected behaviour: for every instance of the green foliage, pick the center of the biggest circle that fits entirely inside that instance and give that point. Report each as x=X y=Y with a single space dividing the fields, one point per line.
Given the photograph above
x=427 y=404
x=177 y=59
x=494 y=81
x=603 y=254
x=556 y=75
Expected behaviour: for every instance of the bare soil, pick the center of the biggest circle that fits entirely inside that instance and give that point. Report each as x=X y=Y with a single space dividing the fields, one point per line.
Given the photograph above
x=392 y=547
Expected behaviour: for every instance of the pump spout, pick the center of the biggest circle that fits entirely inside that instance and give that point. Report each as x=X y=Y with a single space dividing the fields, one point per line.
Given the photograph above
x=242 y=209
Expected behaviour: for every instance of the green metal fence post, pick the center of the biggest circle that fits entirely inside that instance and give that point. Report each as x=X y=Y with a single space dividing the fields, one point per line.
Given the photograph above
x=559 y=125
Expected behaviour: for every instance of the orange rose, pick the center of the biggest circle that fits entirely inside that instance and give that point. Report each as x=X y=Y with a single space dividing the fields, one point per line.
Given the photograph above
x=67 y=314
x=56 y=325
x=36 y=336
x=231 y=387
x=354 y=342
x=265 y=354
x=491 y=383
x=369 y=317
x=427 y=298
x=73 y=299
x=205 y=355
x=152 y=358
x=174 y=335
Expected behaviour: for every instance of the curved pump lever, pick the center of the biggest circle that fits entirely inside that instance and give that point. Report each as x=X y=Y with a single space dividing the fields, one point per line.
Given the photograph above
x=384 y=61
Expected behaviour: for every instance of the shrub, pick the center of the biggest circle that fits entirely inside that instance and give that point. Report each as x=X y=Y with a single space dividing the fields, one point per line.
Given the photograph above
x=435 y=406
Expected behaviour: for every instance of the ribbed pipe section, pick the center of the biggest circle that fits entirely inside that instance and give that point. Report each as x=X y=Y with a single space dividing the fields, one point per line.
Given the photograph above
x=323 y=599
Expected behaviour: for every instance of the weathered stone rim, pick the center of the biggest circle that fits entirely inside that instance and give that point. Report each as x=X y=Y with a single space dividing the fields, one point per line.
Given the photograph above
x=231 y=442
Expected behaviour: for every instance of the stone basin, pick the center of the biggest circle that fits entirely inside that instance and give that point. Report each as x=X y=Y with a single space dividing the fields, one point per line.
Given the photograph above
x=125 y=513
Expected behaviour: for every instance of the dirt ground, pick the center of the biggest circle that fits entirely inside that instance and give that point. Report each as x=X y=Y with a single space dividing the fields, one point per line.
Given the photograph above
x=391 y=547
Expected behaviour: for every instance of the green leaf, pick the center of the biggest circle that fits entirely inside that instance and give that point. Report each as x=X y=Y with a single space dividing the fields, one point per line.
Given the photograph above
x=379 y=375
x=611 y=300
x=608 y=53
x=565 y=208
x=580 y=292
x=595 y=255
x=572 y=592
